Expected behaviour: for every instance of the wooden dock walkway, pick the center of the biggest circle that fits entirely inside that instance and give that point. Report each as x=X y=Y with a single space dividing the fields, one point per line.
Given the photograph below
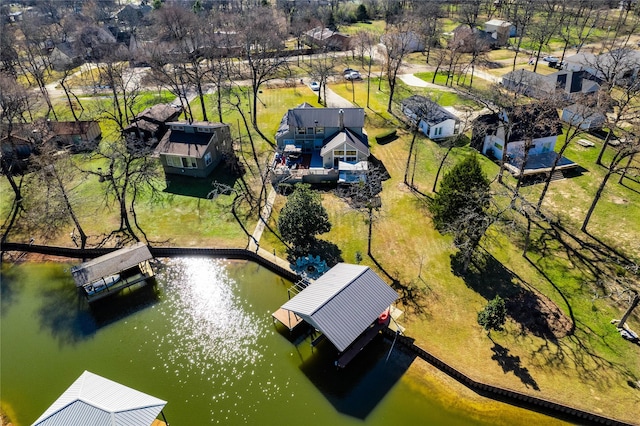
x=288 y=318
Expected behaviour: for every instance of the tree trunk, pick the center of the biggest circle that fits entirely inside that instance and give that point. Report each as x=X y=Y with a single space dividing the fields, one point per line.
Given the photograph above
x=66 y=92
x=440 y=166
x=634 y=303
x=624 y=171
x=370 y=231
x=595 y=200
x=604 y=147
x=406 y=170
x=12 y=182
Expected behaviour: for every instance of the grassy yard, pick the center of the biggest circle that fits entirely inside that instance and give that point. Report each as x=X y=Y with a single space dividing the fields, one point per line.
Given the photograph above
x=441 y=307
x=593 y=368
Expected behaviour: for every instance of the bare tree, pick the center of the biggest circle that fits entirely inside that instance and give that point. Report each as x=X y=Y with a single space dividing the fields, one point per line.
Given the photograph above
x=549 y=21
x=53 y=178
x=629 y=147
x=321 y=69
x=127 y=173
x=522 y=14
x=365 y=43
x=14 y=105
x=398 y=41
x=261 y=42
x=33 y=61
x=364 y=195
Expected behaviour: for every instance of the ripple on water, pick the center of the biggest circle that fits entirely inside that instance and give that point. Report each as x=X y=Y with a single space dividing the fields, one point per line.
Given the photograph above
x=211 y=335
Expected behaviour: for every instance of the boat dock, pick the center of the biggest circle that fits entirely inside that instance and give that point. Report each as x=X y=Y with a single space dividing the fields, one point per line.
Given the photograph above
x=288 y=318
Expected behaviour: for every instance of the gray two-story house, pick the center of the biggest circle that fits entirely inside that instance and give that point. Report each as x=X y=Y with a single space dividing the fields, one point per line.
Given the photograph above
x=321 y=145
x=193 y=149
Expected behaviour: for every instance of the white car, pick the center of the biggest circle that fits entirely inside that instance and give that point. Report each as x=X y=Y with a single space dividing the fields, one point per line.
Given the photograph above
x=353 y=75
x=315 y=86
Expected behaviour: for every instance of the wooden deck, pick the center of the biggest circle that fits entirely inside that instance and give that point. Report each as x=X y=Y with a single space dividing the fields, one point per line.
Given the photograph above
x=288 y=318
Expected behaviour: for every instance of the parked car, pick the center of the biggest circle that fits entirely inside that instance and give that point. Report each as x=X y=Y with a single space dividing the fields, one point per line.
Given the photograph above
x=551 y=58
x=353 y=75
x=347 y=71
x=315 y=86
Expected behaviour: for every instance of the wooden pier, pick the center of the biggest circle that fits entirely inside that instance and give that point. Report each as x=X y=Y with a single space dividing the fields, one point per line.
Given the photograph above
x=288 y=318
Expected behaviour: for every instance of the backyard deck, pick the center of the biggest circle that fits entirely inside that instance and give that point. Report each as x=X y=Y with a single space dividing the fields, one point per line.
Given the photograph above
x=539 y=164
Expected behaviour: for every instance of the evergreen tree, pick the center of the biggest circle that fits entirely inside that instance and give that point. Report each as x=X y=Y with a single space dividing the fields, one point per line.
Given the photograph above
x=302 y=218
x=460 y=206
x=494 y=315
x=361 y=13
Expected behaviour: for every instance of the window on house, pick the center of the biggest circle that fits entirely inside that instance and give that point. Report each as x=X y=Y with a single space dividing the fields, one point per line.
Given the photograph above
x=204 y=130
x=207 y=159
x=177 y=127
x=301 y=130
x=173 y=161
x=351 y=153
x=309 y=130
x=189 y=163
x=319 y=130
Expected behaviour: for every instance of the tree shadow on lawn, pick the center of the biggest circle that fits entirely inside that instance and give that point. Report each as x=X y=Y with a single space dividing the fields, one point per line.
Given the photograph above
x=411 y=296
x=511 y=363
x=533 y=311
x=594 y=258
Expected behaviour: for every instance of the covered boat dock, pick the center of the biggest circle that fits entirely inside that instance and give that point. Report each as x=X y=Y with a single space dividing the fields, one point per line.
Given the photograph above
x=349 y=305
x=97 y=401
x=106 y=275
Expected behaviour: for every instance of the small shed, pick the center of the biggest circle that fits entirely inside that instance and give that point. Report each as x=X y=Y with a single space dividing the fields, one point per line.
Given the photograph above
x=97 y=401
x=344 y=304
x=106 y=275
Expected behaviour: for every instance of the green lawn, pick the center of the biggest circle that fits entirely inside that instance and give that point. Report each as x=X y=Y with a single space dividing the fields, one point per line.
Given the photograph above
x=593 y=369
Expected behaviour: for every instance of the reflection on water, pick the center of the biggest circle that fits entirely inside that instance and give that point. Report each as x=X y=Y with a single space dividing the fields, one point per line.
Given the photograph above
x=213 y=336
x=203 y=340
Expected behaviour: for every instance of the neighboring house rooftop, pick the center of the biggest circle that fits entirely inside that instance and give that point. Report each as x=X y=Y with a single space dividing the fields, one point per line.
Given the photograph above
x=343 y=302
x=428 y=110
x=192 y=144
x=533 y=84
x=98 y=401
x=69 y=128
x=531 y=120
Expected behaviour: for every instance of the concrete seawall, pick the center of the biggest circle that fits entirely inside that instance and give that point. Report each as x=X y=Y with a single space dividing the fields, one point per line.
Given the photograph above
x=530 y=402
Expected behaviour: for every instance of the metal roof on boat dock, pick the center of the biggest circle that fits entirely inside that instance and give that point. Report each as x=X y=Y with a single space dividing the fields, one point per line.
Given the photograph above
x=111 y=263
x=343 y=302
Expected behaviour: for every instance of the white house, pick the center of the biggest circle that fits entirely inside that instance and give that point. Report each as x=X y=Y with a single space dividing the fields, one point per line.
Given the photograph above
x=513 y=127
x=500 y=30
x=583 y=116
x=432 y=119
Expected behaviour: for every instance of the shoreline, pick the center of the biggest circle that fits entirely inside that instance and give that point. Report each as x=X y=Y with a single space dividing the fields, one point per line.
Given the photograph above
x=515 y=398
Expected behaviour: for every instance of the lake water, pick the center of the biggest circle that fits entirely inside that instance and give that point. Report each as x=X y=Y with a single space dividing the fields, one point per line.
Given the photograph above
x=203 y=339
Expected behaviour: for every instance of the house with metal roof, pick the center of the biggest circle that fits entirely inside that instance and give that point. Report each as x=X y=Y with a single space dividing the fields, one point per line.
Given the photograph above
x=107 y=275
x=345 y=305
x=432 y=119
x=97 y=401
x=321 y=145
x=193 y=149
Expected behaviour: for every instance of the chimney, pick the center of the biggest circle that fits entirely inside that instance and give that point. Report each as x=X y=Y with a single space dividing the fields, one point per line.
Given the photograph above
x=341 y=114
